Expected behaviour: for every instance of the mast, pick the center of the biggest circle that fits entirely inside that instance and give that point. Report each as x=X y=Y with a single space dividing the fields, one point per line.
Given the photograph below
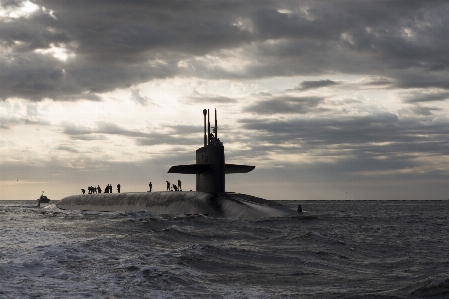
x=208 y=127
x=205 y=136
x=216 y=127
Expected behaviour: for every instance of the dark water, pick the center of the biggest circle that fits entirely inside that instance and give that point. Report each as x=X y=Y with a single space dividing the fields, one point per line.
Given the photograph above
x=337 y=249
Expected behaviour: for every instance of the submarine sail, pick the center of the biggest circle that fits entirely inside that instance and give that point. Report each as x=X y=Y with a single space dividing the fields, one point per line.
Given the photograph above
x=210 y=167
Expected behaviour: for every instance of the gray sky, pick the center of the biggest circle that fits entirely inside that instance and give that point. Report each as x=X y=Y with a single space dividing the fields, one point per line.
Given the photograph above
x=328 y=99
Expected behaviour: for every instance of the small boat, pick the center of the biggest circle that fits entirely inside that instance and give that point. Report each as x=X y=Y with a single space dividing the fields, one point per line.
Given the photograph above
x=43 y=198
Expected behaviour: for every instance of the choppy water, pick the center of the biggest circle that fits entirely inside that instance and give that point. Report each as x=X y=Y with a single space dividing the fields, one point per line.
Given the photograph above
x=337 y=249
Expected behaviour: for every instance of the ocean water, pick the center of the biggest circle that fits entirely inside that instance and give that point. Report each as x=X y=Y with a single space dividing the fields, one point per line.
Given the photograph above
x=335 y=249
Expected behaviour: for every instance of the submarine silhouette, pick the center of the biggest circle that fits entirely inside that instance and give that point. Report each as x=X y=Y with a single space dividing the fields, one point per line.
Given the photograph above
x=210 y=197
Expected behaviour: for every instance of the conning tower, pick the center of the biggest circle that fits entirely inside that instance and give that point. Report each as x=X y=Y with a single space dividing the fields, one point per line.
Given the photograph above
x=210 y=167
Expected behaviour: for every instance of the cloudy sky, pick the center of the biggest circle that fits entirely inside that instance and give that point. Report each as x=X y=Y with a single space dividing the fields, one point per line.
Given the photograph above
x=328 y=99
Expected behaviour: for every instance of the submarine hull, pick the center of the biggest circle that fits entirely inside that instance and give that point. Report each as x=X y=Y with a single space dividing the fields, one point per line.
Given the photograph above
x=44 y=200
x=225 y=205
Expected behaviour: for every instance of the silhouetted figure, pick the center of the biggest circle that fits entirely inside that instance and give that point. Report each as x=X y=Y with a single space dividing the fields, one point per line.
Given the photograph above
x=168 y=185
x=84 y=191
x=89 y=190
x=175 y=188
x=299 y=209
x=151 y=186
x=118 y=188
x=99 y=189
x=39 y=202
x=179 y=185
x=106 y=189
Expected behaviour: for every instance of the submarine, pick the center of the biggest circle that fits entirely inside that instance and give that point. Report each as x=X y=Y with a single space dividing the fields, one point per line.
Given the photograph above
x=209 y=199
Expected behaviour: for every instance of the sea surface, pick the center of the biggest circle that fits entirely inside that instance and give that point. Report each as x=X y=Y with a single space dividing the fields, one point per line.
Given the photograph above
x=335 y=249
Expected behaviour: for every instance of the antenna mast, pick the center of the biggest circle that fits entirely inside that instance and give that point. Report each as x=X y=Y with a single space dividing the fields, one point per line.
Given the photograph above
x=205 y=136
x=216 y=127
x=208 y=127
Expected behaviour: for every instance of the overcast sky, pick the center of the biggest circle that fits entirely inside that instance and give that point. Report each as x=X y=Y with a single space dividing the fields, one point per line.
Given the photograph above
x=328 y=99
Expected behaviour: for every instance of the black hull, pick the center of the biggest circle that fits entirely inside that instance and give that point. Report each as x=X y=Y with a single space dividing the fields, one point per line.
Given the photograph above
x=44 y=199
x=225 y=205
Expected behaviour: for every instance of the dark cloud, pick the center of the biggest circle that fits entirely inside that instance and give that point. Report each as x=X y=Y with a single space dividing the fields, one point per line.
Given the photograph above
x=286 y=105
x=426 y=111
x=67 y=149
x=113 y=129
x=356 y=37
x=262 y=94
x=178 y=135
x=185 y=129
x=159 y=139
x=343 y=102
x=209 y=98
x=118 y=44
x=9 y=121
x=383 y=138
x=102 y=128
x=428 y=97
x=35 y=121
x=73 y=130
x=315 y=84
x=88 y=137
x=115 y=44
x=416 y=79
x=175 y=135
x=11 y=3
x=380 y=81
